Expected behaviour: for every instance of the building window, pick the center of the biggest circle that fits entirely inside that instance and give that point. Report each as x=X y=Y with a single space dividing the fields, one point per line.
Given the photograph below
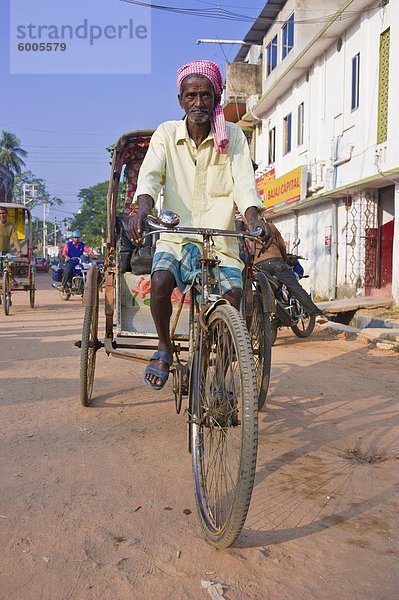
x=271 y=56
x=355 y=81
x=383 y=87
x=301 y=117
x=287 y=131
x=272 y=145
x=288 y=36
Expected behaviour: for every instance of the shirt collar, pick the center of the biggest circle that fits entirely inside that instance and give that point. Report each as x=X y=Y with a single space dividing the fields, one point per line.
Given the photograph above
x=182 y=132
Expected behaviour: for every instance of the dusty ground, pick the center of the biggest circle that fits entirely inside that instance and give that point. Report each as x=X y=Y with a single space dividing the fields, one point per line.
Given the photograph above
x=93 y=501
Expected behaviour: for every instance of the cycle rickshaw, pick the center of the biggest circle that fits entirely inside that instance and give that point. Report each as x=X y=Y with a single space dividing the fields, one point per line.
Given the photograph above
x=221 y=367
x=17 y=271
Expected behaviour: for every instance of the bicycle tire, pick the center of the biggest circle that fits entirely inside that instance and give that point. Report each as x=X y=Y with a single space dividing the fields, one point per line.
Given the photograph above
x=32 y=292
x=88 y=351
x=224 y=410
x=6 y=293
x=273 y=332
x=308 y=324
x=261 y=341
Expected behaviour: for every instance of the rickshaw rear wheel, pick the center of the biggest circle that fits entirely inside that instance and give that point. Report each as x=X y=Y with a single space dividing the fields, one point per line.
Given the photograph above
x=261 y=341
x=88 y=351
x=6 y=293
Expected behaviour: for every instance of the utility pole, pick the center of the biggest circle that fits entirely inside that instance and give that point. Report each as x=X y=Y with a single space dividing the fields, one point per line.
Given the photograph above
x=55 y=231
x=45 y=213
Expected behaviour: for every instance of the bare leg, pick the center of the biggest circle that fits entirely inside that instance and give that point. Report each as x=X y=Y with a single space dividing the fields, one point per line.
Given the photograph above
x=162 y=284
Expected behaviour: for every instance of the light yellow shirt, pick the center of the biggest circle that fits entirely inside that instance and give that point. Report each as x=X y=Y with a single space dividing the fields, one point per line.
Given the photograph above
x=203 y=186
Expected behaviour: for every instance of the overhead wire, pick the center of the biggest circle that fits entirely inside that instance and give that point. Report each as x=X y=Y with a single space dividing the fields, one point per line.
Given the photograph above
x=55 y=132
x=221 y=13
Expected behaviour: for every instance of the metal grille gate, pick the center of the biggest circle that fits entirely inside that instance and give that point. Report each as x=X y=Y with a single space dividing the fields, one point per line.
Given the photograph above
x=361 y=243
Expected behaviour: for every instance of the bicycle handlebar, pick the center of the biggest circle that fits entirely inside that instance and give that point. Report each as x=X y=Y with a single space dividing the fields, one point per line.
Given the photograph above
x=210 y=232
x=295 y=257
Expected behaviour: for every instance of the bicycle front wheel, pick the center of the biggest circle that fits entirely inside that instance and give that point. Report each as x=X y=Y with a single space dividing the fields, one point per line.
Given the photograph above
x=224 y=426
x=6 y=293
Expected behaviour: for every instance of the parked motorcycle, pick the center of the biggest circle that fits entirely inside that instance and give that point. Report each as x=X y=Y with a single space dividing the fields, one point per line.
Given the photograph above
x=77 y=286
x=289 y=312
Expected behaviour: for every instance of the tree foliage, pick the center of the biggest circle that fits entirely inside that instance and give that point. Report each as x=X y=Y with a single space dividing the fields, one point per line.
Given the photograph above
x=11 y=153
x=91 y=219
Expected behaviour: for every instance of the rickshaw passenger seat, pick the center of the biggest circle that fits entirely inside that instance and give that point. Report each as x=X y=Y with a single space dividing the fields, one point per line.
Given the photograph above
x=126 y=247
x=131 y=258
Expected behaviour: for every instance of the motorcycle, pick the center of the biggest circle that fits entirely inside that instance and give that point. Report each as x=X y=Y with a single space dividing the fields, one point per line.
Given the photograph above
x=77 y=285
x=289 y=312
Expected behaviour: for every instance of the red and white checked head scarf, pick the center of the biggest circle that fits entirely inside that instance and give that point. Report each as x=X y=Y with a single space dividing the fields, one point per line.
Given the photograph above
x=210 y=70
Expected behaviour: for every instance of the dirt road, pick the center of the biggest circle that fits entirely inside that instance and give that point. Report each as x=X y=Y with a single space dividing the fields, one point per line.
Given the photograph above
x=97 y=503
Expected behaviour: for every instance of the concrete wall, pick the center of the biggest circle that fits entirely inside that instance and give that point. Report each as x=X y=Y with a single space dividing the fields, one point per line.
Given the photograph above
x=335 y=269
x=243 y=80
x=312 y=10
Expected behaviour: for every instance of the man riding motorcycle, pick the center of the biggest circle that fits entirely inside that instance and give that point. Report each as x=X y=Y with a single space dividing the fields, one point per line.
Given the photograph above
x=273 y=260
x=71 y=252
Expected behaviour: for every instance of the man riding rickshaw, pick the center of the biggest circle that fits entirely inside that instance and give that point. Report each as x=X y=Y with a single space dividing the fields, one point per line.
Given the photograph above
x=16 y=262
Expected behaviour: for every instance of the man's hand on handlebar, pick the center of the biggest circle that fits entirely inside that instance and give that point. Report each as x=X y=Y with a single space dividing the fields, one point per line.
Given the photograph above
x=135 y=226
x=145 y=204
x=253 y=220
x=265 y=229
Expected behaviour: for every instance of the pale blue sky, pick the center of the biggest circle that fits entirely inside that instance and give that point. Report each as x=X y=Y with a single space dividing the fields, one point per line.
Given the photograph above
x=66 y=121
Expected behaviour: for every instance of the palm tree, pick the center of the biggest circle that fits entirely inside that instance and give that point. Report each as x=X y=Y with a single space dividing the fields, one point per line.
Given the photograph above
x=11 y=152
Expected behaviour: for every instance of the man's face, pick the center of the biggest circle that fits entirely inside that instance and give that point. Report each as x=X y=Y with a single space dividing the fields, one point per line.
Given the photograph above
x=3 y=215
x=197 y=99
x=75 y=240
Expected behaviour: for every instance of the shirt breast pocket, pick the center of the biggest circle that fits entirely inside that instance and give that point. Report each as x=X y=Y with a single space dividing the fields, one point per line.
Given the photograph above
x=219 y=181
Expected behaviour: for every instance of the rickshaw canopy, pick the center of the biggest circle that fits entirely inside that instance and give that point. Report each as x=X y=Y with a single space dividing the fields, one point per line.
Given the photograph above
x=129 y=152
x=20 y=215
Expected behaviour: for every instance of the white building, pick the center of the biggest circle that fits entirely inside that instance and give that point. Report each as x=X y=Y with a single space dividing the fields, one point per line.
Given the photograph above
x=326 y=129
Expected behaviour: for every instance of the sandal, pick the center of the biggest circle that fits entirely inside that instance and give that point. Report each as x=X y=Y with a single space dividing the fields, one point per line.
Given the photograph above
x=167 y=358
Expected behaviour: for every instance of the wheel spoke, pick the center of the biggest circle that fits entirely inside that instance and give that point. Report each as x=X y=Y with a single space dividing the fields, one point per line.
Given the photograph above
x=219 y=432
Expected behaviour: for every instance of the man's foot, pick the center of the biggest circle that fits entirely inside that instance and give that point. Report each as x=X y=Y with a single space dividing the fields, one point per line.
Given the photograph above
x=321 y=318
x=156 y=372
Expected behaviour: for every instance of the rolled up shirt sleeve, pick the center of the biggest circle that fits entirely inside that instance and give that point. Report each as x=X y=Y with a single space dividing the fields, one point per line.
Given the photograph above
x=152 y=172
x=245 y=190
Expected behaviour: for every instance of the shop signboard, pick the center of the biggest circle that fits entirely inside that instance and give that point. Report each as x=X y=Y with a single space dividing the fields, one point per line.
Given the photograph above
x=283 y=191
